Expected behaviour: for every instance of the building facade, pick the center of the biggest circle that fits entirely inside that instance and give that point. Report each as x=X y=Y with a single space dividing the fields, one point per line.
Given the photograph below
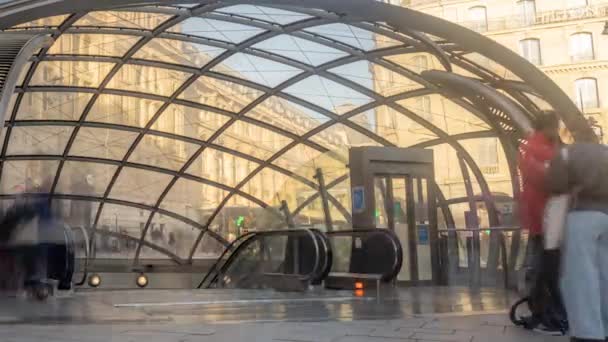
x=563 y=38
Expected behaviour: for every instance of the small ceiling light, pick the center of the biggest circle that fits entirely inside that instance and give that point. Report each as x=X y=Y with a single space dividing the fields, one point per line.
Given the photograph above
x=142 y=280
x=94 y=280
x=605 y=32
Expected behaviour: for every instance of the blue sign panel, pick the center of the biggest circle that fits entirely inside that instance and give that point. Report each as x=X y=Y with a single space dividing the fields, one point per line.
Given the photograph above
x=358 y=199
x=423 y=234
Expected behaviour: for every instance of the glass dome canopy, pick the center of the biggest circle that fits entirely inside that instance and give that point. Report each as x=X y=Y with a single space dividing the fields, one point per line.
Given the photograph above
x=163 y=125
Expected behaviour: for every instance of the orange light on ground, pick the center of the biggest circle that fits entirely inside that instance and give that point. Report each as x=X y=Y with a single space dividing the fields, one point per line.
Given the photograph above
x=359 y=285
x=359 y=293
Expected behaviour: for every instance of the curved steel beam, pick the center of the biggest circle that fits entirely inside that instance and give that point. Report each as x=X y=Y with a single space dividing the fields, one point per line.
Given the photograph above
x=15 y=51
x=472 y=88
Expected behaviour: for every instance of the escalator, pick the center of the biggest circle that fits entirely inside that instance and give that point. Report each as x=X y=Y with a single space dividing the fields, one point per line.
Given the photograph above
x=292 y=260
x=286 y=260
x=363 y=256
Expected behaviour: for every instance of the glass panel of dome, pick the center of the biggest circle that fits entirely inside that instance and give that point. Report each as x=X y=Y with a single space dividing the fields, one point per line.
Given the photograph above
x=84 y=179
x=162 y=152
x=52 y=106
x=328 y=94
x=339 y=136
x=20 y=176
x=192 y=199
x=135 y=20
x=123 y=110
x=139 y=186
x=228 y=223
x=287 y=115
x=492 y=66
x=208 y=248
x=149 y=253
x=271 y=186
x=124 y=220
x=268 y=14
x=377 y=78
x=189 y=121
x=23 y=74
x=11 y=106
x=216 y=29
x=102 y=143
x=178 y=52
x=310 y=213
x=300 y=50
x=173 y=235
x=539 y=102
x=220 y=94
x=300 y=160
x=93 y=44
x=256 y=69
x=444 y=114
x=53 y=21
x=70 y=73
x=38 y=140
x=77 y=213
x=416 y=62
x=490 y=157
x=354 y=36
x=221 y=167
x=252 y=140
x=393 y=126
x=145 y=79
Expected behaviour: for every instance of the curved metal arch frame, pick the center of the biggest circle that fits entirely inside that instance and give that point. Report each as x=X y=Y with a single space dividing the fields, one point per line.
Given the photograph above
x=263 y=2
x=351 y=52
x=13 y=13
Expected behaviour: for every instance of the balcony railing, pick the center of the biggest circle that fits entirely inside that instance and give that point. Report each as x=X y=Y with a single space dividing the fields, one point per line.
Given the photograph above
x=540 y=18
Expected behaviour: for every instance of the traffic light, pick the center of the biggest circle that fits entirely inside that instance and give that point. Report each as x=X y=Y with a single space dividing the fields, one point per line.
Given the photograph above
x=240 y=220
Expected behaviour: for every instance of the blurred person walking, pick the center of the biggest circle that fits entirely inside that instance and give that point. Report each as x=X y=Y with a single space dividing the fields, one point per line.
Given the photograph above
x=581 y=170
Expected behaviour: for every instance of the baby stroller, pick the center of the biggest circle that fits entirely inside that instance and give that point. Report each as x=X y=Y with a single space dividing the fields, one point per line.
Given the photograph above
x=547 y=312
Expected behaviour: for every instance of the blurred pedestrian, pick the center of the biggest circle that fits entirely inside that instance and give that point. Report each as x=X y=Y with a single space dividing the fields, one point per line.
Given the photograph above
x=581 y=170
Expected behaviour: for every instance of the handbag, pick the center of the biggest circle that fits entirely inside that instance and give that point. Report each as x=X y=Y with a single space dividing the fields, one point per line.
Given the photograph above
x=554 y=220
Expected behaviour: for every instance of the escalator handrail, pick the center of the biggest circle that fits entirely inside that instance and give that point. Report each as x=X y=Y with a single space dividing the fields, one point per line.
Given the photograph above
x=246 y=240
x=264 y=234
x=393 y=238
x=85 y=272
x=232 y=246
x=327 y=250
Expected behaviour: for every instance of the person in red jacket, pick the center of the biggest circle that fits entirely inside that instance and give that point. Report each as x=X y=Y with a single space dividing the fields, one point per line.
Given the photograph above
x=535 y=155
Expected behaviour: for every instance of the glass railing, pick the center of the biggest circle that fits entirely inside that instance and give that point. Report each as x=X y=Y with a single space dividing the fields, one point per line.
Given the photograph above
x=483 y=257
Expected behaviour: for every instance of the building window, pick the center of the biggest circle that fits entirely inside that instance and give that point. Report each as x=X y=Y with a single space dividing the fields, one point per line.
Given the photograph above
x=527 y=11
x=587 y=93
x=421 y=63
x=488 y=156
x=530 y=50
x=423 y=105
x=581 y=47
x=478 y=16
x=577 y=3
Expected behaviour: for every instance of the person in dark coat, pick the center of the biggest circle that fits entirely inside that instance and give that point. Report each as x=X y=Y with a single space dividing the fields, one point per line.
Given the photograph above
x=581 y=170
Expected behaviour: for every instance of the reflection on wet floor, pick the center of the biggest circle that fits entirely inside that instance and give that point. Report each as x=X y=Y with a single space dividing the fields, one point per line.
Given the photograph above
x=229 y=306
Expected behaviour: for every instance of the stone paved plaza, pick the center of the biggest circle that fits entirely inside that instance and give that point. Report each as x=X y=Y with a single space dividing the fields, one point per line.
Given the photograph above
x=424 y=314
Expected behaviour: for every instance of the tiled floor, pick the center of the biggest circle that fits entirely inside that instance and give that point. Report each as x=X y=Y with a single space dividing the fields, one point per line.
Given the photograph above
x=424 y=314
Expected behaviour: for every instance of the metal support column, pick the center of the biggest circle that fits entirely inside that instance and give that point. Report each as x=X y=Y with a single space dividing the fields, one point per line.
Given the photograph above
x=287 y=213
x=324 y=199
x=472 y=222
